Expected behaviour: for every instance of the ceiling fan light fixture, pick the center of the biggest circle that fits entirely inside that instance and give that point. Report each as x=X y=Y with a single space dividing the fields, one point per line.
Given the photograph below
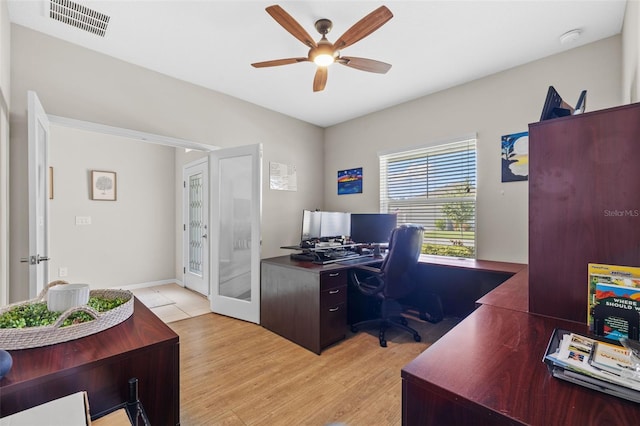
x=323 y=60
x=323 y=55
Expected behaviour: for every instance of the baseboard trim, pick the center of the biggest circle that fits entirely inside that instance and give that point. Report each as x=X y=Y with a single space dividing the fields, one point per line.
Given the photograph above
x=151 y=284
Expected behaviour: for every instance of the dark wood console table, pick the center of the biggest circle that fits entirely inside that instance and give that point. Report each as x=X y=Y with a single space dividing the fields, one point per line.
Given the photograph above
x=142 y=346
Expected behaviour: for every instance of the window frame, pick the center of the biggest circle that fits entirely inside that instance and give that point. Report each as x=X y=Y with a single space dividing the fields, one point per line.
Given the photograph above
x=428 y=206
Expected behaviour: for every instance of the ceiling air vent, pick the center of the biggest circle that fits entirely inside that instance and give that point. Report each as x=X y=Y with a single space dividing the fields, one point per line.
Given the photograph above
x=78 y=16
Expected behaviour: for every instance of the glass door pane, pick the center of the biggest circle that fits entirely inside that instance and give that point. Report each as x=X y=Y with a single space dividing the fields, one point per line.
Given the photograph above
x=235 y=227
x=236 y=181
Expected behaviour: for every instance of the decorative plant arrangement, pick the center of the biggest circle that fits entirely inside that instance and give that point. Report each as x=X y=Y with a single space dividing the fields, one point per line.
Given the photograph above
x=37 y=314
x=31 y=323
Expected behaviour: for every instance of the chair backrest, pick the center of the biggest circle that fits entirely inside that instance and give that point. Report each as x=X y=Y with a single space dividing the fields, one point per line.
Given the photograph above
x=397 y=268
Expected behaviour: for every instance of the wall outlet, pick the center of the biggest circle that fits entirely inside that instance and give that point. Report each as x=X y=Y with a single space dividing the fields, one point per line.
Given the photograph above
x=83 y=220
x=62 y=271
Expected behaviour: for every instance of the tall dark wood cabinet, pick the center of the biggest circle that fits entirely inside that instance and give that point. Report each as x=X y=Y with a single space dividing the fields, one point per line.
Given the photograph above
x=584 y=204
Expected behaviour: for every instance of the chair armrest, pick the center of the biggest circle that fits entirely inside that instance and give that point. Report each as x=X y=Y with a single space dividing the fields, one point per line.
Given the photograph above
x=371 y=281
x=366 y=268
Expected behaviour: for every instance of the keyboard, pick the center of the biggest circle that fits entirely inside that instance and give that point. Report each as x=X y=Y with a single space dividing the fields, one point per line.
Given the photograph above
x=324 y=257
x=305 y=257
x=340 y=254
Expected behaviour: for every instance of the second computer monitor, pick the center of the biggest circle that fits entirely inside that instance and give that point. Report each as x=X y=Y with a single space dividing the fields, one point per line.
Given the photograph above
x=320 y=224
x=372 y=228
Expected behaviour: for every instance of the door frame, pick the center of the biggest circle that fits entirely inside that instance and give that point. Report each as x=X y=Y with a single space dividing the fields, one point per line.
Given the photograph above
x=134 y=135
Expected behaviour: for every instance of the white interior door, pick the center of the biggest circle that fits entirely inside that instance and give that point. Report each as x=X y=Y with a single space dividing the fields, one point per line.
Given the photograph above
x=38 y=141
x=236 y=176
x=196 y=219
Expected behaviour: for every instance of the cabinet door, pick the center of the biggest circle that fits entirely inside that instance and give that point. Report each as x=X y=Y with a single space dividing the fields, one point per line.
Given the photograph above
x=584 y=205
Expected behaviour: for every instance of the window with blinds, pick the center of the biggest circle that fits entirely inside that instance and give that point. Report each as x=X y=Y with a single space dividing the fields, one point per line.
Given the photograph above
x=435 y=187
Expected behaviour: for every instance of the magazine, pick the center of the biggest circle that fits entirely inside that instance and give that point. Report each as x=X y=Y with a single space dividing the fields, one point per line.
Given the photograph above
x=613 y=309
x=612 y=358
x=576 y=353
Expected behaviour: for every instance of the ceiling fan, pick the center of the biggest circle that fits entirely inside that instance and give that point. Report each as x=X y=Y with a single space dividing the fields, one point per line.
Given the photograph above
x=324 y=53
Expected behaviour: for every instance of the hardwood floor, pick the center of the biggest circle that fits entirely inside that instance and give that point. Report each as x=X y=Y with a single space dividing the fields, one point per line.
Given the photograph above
x=237 y=373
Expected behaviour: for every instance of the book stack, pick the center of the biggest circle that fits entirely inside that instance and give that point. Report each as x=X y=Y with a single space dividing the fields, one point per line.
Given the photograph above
x=595 y=364
x=613 y=309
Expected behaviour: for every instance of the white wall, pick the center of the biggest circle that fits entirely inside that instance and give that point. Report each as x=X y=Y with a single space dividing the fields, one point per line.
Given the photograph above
x=78 y=83
x=130 y=240
x=81 y=84
x=497 y=105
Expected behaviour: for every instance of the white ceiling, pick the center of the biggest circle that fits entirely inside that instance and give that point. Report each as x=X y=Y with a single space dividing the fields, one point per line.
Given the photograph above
x=432 y=45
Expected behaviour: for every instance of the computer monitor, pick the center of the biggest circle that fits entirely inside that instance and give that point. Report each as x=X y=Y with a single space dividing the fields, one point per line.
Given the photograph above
x=335 y=224
x=311 y=221
x=318 y=225
x=372 y=228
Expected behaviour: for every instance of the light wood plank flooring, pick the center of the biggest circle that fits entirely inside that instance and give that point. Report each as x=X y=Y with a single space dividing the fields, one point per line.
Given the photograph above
x=238 y=373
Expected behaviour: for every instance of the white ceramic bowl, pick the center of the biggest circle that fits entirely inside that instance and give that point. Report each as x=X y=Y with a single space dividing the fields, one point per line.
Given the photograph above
x=64 y=296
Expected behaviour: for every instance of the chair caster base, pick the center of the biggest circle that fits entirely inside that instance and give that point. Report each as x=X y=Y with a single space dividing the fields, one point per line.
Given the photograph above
x=417 y=337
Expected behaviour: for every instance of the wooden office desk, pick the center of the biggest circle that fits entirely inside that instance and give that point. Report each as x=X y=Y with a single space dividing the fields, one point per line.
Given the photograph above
x=142 y=346
x=461 y=282
x=307 y=303
x=512 y=294
x=489 y=370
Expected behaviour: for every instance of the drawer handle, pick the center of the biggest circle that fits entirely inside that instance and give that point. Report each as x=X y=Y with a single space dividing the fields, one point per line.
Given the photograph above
x=334 y=309
x=334 y=291
x=335 y=274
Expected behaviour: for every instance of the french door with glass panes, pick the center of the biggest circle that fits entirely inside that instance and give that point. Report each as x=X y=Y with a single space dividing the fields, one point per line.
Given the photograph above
x=236 y=176
x=195 y=227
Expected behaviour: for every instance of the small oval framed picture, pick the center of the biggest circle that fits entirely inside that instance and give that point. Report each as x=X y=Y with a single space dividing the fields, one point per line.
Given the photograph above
x=103 y=185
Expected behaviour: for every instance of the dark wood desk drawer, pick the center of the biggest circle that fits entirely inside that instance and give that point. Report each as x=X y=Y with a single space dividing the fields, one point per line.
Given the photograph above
x=333 y=324
x=333 y=296
x=331 y=279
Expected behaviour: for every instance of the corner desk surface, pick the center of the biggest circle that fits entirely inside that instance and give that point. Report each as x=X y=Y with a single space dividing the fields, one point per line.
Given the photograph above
x=489 y=370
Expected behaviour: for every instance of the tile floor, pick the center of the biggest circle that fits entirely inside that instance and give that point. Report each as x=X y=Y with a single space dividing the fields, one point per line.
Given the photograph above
x=171 y=302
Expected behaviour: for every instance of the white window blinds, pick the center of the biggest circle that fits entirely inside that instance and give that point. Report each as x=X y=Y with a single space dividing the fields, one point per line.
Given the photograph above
x=435 y=187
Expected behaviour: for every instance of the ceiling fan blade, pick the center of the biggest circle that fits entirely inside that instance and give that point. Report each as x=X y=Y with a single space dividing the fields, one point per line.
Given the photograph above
x=277 y=62
x=291 y=25
x=365 y=64
x=320 y=80
x=364 y=27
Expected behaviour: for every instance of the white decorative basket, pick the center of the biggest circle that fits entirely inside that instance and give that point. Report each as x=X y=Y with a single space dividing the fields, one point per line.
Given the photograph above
x=33 y=337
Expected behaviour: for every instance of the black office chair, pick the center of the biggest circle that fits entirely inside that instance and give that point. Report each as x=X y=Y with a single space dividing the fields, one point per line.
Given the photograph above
x=392 y=281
